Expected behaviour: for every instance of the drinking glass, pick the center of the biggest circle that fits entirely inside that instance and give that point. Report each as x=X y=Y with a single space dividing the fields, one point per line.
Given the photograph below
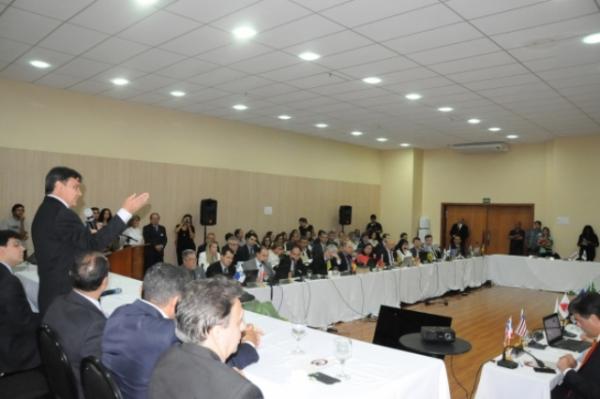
x=298 y=332
x=343 y=352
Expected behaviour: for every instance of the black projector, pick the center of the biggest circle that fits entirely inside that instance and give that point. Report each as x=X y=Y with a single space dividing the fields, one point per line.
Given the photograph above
x=438 y=334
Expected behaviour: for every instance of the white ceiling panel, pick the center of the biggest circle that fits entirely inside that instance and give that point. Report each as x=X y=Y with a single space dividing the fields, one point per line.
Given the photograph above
x=234 y=52
x=420 y=20
x=152 y=82
x=495 y=72
x=378 y=68
x=24 y=26
x=295 y=32
x=243 y=85
x=72 y=39
x=185 y=69
x=318 y=5
x=455 y=51
x=198 y=41
x=90 y=87
x=332 y=44
x=111 y=16
x=296 y=71
x=10 y=49
x=115 y=50
x=153 y=60
x=83 y=69
x=266 y=62
x=217 y=76
x=474 y=9
x=208 y=10
x=346 y=59
x=473 y=63
x=360 y=12
x=435 y=38
x=158 y=28
x=263 y=15
x=59 y=9
x=58 y=80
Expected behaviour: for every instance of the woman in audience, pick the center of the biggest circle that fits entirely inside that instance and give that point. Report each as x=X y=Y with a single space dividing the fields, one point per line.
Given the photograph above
x=587 y=243
x=374 y=238
x=545 y=243
x=104 y=218
x=403 y=250
x=367 y=257
x=210 y=256
x=133 y=233
x=275 y=254
x=294 y=238
x=266 y=241
x=184 y=236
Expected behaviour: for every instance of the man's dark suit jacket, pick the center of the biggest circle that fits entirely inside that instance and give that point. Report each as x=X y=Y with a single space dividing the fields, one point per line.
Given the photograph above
x=153 y=238
x=385 y=254
x=285 y=265
x=18 y=325
x=79 y=326
x=135 y=337
x=58 y=236
x=318 y=257
x=462 y=232
x=243 y=253
x=345 y=262
x=583 y=383
x=216 y=268
x=192 y=371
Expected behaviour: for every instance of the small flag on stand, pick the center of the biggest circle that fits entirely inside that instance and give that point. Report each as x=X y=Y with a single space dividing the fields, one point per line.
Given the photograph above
x=521 y=330
x=563 y=307
x=508 y=332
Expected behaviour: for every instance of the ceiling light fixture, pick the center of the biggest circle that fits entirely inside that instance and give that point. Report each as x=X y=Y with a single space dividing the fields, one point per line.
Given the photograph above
x=244 y=32
x=120 y=81
x=321 y=125
x=356 y=133
x=494 y=129
x=309 y=56
x=178 y=93
x=381 y=139
x=413 y=96
x=474 y=121
x=284 y=117
x=240 y=107
x=146 y=3
x=445 y=109
x=39 y=64
x=404 y=145
x=372 y=80
x=592 y=39
x=512 y=136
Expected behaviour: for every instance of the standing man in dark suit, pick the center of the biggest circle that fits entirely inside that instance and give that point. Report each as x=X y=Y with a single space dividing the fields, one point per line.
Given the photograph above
x=59 y=234
x=77 y=317
x=318 y=252
x=18 y=324
x=462 y=230
x=155 y=235
x=580 y=380
x=223 y=266
x=210 y=321
x=374 y=226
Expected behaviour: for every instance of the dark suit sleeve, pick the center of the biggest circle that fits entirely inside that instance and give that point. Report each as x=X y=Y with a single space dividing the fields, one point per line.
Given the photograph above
x=92 y=346
x=245 y=356
x=163 y=238
x=584 y=387
x=250 y=392
x=70 y=227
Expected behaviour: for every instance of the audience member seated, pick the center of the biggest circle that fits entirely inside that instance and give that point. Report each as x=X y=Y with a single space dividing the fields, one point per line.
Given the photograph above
x=210 y=238
x=305 y=253
x=432 y=248
x=545 y=243
x=364 y=240
x=417 y=248
x=104 y=218
x=210 y=319
x=16 y=222
x=275 y=254
x=248 y=251
x=77 y=317
x=18 y=324
x=133 y=234
x=304 y=228
x=267 y=240
x=331 y=237
x=260 y=263
x=389 y=257
x=209 y=257
x=403 y=250
x=318 y=251
x=294 y=240
x=367 y=257
x=224 y=266
x=291 y=265
x=332 y=260
x=345 y=256
x=580 y=379
x=587 y=243
x=456 y=248
x=190 y=263
x=137 y=334
x=233 y=244
x=239 y=235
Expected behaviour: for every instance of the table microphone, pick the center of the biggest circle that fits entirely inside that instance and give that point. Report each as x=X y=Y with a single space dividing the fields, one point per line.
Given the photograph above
x=504 y=362
x=111 y=292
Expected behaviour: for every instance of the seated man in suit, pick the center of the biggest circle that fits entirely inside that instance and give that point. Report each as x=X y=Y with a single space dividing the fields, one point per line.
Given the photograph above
x=305 y=252
x=290 y=266
x=417 y=248
x=77 y=317
x=18 y=324
x=210 y=322
x=248 y=251
x=388 y=253
x=580 y=380
x=456 y=248
x=137 y=334
x=224 y=266
x=275 y=254
x=261 y=264
x=234 y=245
x=432 y=248
x=346 y=256
x=190 y=264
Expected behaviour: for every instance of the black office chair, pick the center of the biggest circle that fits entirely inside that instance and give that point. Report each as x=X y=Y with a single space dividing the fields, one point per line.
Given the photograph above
x=96 y=380
x=56 y=365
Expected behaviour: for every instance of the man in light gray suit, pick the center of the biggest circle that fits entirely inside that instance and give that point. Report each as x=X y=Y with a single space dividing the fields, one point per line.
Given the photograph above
x=210 y=321
x=259 y=263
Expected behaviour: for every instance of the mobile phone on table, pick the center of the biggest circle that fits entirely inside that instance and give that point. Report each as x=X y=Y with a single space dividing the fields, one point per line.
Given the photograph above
x=544 y=370
x=324 y=378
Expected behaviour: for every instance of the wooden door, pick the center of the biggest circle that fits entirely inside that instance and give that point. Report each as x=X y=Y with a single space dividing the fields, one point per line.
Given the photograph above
x=489 y=224
x=501 y=220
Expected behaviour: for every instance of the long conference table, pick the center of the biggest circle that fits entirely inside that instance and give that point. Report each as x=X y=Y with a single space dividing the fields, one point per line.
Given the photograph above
x=375 y=371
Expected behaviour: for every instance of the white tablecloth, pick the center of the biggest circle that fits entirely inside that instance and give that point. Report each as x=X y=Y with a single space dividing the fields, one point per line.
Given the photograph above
x=541 y=274
x=376 y=371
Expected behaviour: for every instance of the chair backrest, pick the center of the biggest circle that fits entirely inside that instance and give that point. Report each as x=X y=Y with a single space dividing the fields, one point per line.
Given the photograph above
x=56 y=364
x=393 y=323
x=96 y=380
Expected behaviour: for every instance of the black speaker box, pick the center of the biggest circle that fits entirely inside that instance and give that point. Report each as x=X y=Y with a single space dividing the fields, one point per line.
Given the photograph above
x=345 y=215
x=208 y=212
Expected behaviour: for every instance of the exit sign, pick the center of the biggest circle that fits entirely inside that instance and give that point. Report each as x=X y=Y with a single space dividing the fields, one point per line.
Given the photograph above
x=487 y=200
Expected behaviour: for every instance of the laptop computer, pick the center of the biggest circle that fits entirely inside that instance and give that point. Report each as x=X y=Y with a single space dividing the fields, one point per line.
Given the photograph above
x=554 y=336
x=251 y=277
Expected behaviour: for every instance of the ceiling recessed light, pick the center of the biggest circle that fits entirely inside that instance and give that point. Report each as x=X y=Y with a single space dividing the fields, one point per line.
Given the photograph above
x=356 y=133
x=284 y=117
x=309 y=56
x=592 y=39
x=240 y=107
x=381 y=139
x=494 y=129
x=120 y=81
x=404 y=145
x=413 y=96
x=178 y=93
x=321 y=125
x=474 y=121
x=39 y=64
x=512 y=136
x=146 y=3
x=372 y=80
x=244 y=32
x=445 y=109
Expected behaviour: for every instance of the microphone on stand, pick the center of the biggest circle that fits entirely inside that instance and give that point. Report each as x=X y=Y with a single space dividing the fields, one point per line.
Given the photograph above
x=129 y=238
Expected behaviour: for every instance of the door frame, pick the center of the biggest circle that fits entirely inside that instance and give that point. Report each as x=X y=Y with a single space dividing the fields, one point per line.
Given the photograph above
x=444 y=240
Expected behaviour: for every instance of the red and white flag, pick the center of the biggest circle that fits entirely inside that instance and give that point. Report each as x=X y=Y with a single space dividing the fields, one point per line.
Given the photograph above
x=522 y=327
x=508 y=332
x=563 y=307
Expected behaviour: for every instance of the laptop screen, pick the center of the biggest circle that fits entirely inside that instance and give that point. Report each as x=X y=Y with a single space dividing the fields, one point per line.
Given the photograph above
x=552 y=328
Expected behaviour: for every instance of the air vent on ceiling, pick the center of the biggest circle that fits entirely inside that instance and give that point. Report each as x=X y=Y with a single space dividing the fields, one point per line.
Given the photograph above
x=475 y=148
